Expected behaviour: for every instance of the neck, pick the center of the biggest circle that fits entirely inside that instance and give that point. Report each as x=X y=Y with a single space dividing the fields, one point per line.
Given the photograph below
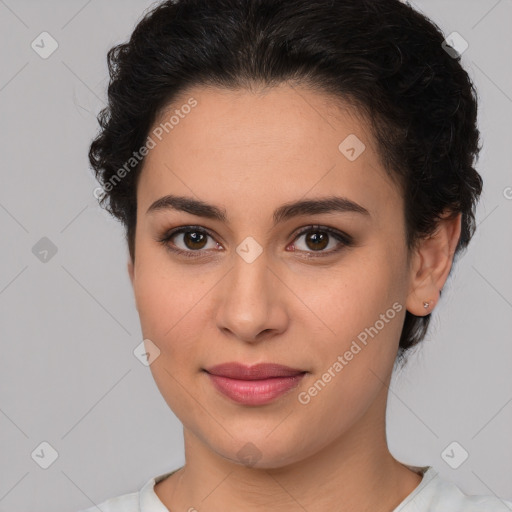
x=354 y=473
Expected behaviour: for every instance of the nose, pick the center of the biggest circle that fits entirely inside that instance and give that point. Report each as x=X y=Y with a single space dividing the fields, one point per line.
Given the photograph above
x=251 y=306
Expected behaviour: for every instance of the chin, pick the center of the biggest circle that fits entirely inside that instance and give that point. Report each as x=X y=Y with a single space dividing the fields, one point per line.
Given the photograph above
x=262 y=451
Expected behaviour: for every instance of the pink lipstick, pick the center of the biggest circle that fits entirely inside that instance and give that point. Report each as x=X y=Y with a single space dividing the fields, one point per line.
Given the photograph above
x=254 y=385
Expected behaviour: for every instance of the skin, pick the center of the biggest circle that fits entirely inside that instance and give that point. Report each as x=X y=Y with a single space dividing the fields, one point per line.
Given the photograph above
x=249 y=153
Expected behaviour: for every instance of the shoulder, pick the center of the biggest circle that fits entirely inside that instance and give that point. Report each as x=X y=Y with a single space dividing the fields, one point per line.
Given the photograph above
x=437 y=494
x=144 y=499
x=124 y=503
x=447 y=496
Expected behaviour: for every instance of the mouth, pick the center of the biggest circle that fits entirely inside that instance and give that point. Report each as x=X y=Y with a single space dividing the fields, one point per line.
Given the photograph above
x=254 y=385
x=256 y=372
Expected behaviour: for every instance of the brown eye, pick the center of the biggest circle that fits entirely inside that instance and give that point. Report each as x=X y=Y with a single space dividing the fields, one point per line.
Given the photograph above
x=188 y=241
x=194 y=239
x=318 y=238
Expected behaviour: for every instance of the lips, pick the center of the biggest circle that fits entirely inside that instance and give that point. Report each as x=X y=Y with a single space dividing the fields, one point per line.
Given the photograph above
x=256 y=372
x=254 y=385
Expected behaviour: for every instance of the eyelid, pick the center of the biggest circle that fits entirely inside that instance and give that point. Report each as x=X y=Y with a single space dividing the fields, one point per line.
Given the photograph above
x=165 y=239
x=344 y=239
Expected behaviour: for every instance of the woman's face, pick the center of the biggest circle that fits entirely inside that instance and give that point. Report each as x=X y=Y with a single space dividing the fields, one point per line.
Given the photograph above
x=253 y=289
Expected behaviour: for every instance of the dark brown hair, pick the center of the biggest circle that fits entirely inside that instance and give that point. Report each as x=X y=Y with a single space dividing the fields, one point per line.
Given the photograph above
x=379 y=55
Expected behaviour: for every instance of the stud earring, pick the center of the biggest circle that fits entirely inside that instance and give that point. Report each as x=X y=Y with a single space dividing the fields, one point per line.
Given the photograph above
x=426 y=305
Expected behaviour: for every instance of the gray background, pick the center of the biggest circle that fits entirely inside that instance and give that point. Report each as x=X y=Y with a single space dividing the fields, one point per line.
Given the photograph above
x=69 y=325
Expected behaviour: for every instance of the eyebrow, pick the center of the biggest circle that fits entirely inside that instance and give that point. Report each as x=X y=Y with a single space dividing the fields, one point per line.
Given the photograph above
x=331 y=204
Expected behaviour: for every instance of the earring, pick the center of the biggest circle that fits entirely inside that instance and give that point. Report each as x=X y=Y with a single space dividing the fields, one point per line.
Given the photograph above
x=426 y=305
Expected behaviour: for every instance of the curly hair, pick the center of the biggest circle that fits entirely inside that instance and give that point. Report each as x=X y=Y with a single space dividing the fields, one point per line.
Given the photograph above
x=381 y=56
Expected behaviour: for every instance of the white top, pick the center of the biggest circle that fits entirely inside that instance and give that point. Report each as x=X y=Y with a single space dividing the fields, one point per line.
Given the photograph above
x=433 y=494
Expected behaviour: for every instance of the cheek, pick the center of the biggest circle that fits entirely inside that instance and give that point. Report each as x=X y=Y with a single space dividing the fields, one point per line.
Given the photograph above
x=362 y=303
x=165 y=311
x=168 y=306
x=352 y=296
x=164 y=292
x=365 y=312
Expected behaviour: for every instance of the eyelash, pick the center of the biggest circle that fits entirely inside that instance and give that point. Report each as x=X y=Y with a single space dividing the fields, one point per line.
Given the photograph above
x=344 y=239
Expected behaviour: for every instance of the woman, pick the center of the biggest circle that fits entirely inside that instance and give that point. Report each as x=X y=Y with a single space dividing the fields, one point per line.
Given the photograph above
x=295 y=179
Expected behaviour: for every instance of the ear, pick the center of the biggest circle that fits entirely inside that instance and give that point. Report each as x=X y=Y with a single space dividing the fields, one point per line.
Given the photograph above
x=431 y=264
x=131 y=273
x=130 y=269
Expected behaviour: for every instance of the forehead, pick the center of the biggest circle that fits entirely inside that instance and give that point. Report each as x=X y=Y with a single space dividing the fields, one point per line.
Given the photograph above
x=278 y=116
x=284 y=142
